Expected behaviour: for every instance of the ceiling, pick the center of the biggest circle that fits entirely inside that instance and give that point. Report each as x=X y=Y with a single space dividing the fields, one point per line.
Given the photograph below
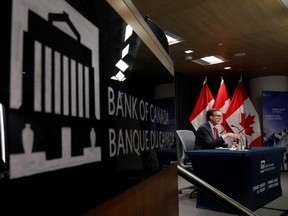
x=225 y=28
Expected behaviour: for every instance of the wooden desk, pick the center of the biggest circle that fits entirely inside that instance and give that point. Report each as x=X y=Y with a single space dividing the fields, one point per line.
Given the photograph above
x=250 y=177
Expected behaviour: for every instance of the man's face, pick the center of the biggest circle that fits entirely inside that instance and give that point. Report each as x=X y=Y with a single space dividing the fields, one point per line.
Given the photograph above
x=216 y=118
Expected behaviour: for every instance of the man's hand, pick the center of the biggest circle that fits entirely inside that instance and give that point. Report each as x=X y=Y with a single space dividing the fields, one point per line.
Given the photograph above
x=233 y=135
x=233 y=145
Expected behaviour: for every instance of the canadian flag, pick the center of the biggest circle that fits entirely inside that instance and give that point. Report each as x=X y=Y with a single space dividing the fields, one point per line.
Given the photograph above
x=204 y=103
x=222 y=102
x=243 y=119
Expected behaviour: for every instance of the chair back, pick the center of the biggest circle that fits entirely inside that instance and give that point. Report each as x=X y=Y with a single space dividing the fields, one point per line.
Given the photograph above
x=187 y=140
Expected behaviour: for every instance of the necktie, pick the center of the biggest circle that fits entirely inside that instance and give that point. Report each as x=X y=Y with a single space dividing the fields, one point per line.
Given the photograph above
x=215 y=133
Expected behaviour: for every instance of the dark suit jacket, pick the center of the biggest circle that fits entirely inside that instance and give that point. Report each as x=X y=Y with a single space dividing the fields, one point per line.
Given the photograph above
x=204 y=138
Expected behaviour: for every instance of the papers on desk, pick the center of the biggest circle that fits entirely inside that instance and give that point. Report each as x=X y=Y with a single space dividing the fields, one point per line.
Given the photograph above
x=232 y=149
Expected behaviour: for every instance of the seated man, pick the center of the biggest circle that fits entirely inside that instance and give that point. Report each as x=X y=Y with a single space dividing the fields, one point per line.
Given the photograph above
x=207 y=136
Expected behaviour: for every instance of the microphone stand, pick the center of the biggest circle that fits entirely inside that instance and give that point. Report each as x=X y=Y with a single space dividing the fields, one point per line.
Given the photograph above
x=241 y=131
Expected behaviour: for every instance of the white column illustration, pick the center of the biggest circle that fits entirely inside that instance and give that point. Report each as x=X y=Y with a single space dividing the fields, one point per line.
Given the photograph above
x=93 y=137
x=27 y=138
x=66 y=142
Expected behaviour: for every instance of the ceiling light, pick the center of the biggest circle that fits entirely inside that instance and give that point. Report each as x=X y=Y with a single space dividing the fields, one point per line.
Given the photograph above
x=240 y=54
x=122 y=65
x=172 y=38
x=285 y=3
x=119 y=76
x=188 y=51
x=125 y=51
x=212 y=60
x=188 y=58
x=227 y=68
x=128 y=32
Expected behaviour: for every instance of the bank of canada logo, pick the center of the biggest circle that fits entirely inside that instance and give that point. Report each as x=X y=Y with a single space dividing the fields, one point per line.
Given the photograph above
x=262 y=165
x=54 y=72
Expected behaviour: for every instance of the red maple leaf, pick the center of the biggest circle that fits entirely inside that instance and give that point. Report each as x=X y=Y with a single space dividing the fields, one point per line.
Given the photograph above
x=246 y=123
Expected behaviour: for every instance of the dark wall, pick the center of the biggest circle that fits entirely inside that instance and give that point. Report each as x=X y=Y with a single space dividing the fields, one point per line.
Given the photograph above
x=63 y=173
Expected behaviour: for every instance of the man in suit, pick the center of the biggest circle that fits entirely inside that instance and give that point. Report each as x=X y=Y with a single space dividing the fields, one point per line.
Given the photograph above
x=207 y=136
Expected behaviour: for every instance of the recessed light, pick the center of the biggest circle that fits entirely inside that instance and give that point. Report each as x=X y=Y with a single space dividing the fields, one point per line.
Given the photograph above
x=125 y=51
x=172 y=38
x=119 y=77
x=210 y=60
x=122 y=65
x=240 y=54
x=188 y=51
x=227 y=68
x=285 y=3
x=128 y=32
x=188 y=58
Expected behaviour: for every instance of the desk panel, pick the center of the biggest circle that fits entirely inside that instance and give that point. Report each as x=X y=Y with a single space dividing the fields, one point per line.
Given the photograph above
x=251 y=177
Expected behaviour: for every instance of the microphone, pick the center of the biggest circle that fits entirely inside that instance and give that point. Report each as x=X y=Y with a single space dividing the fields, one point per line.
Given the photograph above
x=241 y=131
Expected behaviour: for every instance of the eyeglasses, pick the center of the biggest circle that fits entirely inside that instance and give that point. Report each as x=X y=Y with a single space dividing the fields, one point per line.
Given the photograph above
x=219 y=116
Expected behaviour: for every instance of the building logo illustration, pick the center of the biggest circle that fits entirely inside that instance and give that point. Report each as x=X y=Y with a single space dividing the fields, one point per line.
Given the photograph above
x=54 y=71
